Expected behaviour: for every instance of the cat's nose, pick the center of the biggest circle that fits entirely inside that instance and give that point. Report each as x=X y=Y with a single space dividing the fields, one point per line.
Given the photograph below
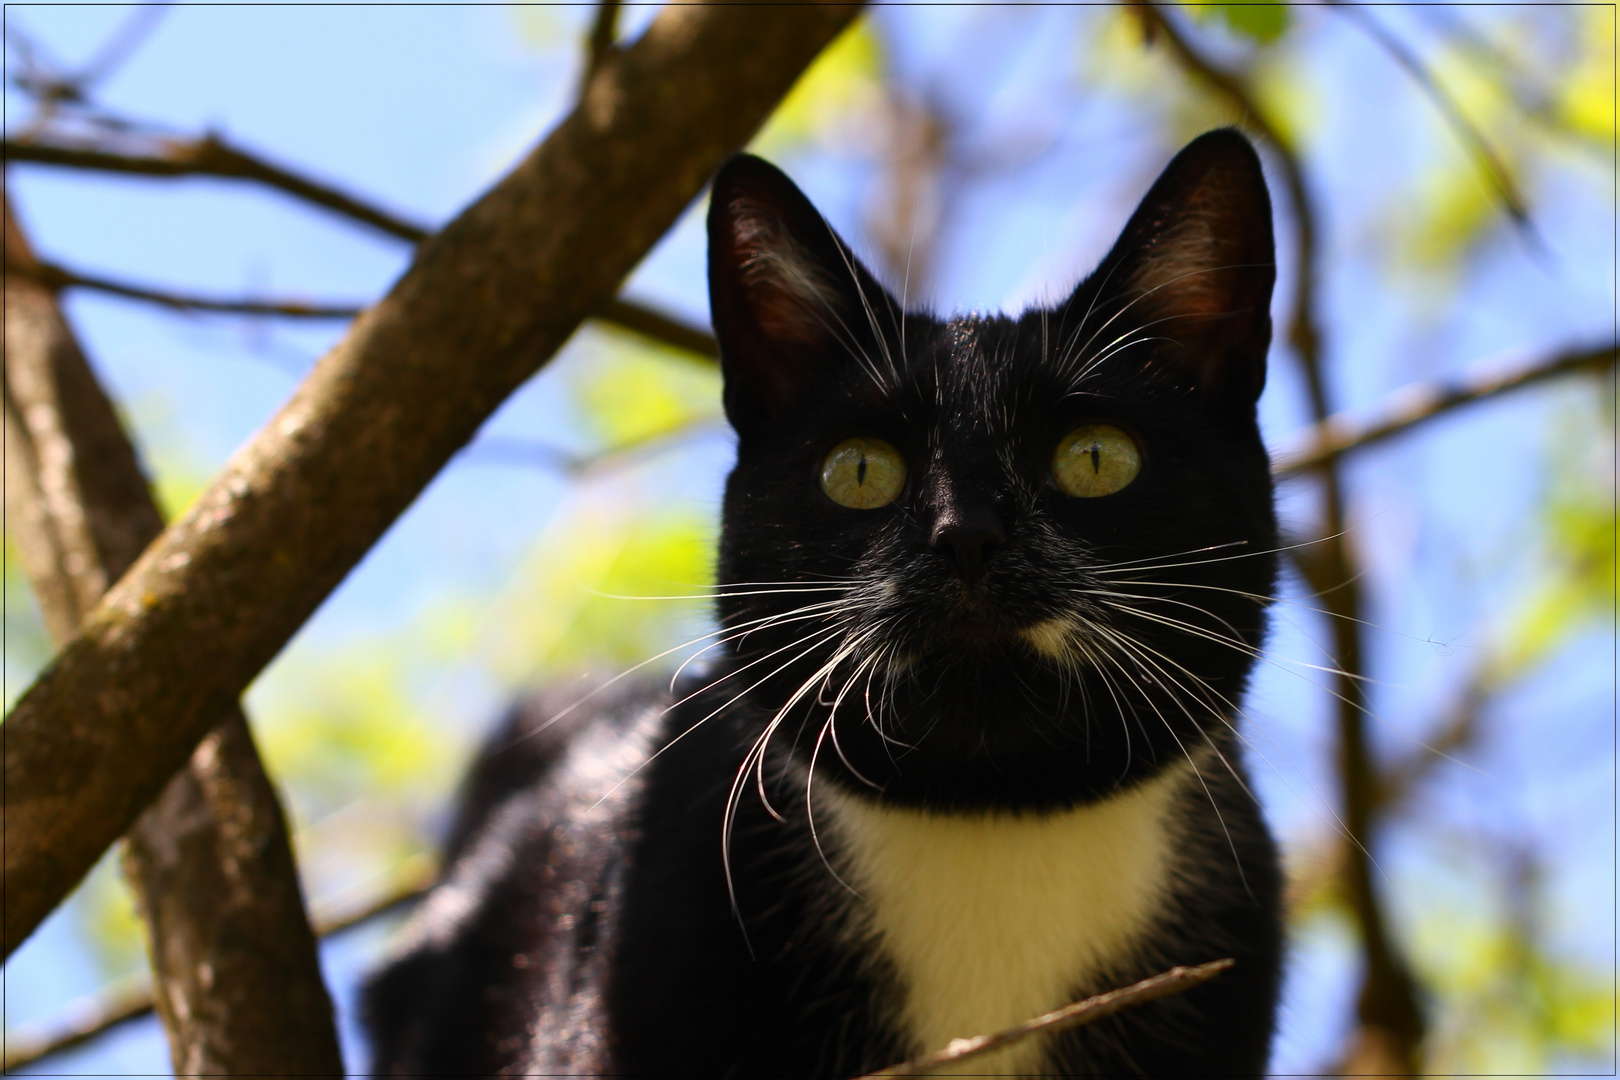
x=970 y=540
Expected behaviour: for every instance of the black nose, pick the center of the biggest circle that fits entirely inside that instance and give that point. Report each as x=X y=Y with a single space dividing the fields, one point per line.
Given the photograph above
x=970 y=540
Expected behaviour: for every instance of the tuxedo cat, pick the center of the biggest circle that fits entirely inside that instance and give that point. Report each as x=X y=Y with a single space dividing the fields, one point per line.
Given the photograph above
x=967 y=749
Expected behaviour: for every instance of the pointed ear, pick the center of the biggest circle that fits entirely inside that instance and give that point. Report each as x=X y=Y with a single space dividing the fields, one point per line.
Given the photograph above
x=787 y=296
x=1196 y=265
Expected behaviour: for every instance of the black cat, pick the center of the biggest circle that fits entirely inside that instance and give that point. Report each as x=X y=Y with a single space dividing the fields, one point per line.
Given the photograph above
x=990 y=590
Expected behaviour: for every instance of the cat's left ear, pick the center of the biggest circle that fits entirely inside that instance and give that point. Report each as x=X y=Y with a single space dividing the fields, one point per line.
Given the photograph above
x=1196 y=265
x=789 y=299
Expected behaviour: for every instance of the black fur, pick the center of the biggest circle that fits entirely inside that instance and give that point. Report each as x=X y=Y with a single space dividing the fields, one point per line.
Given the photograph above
x=587 y=923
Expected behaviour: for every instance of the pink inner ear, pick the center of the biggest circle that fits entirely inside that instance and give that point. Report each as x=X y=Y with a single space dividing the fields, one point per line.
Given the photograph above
x=786 y=293
x=1190 y=269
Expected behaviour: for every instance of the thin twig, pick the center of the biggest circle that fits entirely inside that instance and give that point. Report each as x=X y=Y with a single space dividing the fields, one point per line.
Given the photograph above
x=1406 y=409
x=656 y=326
x=1489 y=160
x=211 y=156
x=1175 y=981
x=56 y=278
x=128 y=1001
x=502 y=449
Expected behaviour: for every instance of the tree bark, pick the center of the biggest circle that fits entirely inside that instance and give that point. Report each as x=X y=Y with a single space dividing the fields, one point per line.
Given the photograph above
x=485 y=304
x=233 y=958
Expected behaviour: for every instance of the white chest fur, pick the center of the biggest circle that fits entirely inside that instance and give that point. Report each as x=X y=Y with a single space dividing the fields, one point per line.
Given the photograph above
x=991 y=919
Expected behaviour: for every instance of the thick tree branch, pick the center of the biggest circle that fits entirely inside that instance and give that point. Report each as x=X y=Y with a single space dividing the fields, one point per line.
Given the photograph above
x=487 y=302
x=1338 y=435
x=1390 y=1028
x=212 y=157
x=210 y=862
x=1077 y=1014
x=130 y=1001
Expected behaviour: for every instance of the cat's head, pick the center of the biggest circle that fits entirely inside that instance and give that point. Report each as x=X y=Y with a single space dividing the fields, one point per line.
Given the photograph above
x=992 y=561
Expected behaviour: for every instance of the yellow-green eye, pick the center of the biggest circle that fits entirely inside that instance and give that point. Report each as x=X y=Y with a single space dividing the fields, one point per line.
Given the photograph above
x=863 y=474
x=1095 y=459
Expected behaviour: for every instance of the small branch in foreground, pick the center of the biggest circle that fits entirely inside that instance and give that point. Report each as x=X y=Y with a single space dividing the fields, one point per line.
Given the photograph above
x=1327 y=441
x=1175 y=981
x=132 y=1000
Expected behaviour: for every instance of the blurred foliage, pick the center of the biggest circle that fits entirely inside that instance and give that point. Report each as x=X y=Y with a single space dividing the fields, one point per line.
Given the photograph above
x=846 y=81
x=1510 y=1006
x=631 y=392
x=1264 y=21
x=1455 y=204
x=1586 y=98
x=1578 y=583
x=611 y=582
x=112 y=926
x=27 y=645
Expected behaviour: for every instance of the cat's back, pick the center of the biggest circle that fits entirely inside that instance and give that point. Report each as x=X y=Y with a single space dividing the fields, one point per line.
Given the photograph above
x=512 y=939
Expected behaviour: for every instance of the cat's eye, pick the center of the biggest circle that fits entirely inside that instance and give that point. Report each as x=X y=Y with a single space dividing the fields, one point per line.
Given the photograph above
x=1094 y=460
x=863 y=474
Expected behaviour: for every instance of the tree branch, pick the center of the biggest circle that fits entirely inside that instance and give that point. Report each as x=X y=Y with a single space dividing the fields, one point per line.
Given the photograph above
x=56 y=278
x=1338 y=435
x=604 y=30
x=1077 y=1014
x=1390 y=1030
x=639 y=319
x=210 y=862
x=485 y=305
x=130 y=1001
x=212 y=156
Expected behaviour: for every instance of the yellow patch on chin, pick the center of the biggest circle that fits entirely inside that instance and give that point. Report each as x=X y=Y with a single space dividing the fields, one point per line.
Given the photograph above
x=1054 y=638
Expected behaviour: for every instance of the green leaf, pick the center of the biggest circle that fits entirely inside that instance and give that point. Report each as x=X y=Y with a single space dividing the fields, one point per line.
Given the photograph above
x=1263 y=22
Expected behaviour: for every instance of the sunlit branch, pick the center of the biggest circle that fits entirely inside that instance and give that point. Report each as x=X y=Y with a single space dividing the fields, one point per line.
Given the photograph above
x=1175 y=981
x=127 y=1002
x=1489 y=160
x=1409 y=408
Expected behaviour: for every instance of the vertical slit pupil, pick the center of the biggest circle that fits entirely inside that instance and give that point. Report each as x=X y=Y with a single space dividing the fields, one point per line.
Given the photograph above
x=1096 y=458
x=860 y=472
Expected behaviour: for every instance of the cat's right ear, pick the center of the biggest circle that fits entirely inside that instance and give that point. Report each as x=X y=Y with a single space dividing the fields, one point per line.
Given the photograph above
x=785 y=292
